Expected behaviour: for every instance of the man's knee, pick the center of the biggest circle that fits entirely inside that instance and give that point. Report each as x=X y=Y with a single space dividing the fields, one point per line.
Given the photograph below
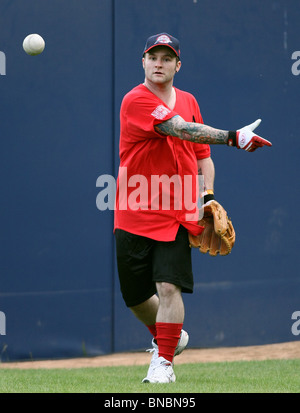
x=165 y=289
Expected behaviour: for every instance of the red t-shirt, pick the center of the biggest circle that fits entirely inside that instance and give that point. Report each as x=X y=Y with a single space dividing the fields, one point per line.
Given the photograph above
x=157 y=182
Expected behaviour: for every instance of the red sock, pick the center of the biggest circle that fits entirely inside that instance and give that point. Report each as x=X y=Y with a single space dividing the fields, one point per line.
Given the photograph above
x=167 y=338
x=152 y=330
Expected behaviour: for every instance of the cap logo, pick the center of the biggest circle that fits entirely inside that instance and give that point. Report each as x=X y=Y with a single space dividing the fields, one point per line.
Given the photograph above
x=163 y=39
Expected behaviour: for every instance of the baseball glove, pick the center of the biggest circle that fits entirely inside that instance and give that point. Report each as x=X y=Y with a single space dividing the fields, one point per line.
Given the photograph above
x=218 y=236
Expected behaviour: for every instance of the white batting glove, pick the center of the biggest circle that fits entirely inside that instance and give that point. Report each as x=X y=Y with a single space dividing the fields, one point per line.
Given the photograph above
x=244 y=138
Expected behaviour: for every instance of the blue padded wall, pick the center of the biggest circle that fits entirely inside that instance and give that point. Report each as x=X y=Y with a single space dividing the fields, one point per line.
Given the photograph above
x=56 y=139
x=236 y=60
x=59 y=123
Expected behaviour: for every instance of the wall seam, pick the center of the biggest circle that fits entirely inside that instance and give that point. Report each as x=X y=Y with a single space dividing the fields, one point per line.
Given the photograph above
x=113 y=169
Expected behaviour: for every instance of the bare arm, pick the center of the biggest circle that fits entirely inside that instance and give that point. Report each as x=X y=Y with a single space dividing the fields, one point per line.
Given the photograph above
x=191 y=131
x=207 y=169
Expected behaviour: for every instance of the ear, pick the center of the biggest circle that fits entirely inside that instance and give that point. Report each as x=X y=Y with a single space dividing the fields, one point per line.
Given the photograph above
x=143 y=62
x=178 y=66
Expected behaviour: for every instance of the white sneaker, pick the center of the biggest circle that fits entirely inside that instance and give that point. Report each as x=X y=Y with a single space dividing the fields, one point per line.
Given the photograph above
x=161 y=372
x=182 y=343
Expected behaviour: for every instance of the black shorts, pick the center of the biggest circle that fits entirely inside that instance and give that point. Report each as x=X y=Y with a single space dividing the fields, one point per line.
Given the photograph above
x=143 y=261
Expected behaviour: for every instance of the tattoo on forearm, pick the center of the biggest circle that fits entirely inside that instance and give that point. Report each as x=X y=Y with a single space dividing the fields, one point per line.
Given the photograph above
x=193 y=132
x=203 y=134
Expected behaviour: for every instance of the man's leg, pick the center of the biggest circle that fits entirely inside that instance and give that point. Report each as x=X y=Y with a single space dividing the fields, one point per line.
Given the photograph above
x=146 y=312
x=163 y=316
x=168 y=308
x=168 y=328
x=169 y=320
x=171 y=308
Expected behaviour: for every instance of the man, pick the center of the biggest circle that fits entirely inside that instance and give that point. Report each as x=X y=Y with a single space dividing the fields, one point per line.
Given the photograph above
x=163 y=142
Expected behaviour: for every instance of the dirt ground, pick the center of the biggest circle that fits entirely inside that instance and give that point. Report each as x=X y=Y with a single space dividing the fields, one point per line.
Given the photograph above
x=290 y=350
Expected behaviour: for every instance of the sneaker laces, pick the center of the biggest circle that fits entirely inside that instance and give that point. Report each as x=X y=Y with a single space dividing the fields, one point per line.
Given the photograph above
x=166 y=363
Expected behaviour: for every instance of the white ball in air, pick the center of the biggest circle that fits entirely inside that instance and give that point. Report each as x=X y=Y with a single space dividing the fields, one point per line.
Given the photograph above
x=33 y=44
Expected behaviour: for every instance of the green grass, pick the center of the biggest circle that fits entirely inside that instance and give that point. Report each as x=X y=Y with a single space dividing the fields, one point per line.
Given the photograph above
x=271 y=376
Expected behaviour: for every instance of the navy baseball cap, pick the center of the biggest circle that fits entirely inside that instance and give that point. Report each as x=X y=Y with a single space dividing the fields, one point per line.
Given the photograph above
x=163 y=39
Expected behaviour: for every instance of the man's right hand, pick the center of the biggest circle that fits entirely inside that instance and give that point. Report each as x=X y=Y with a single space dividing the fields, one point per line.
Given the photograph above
x=246 y=139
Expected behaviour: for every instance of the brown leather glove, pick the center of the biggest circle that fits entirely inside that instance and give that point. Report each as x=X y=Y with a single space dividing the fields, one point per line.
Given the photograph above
x=218 y=236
